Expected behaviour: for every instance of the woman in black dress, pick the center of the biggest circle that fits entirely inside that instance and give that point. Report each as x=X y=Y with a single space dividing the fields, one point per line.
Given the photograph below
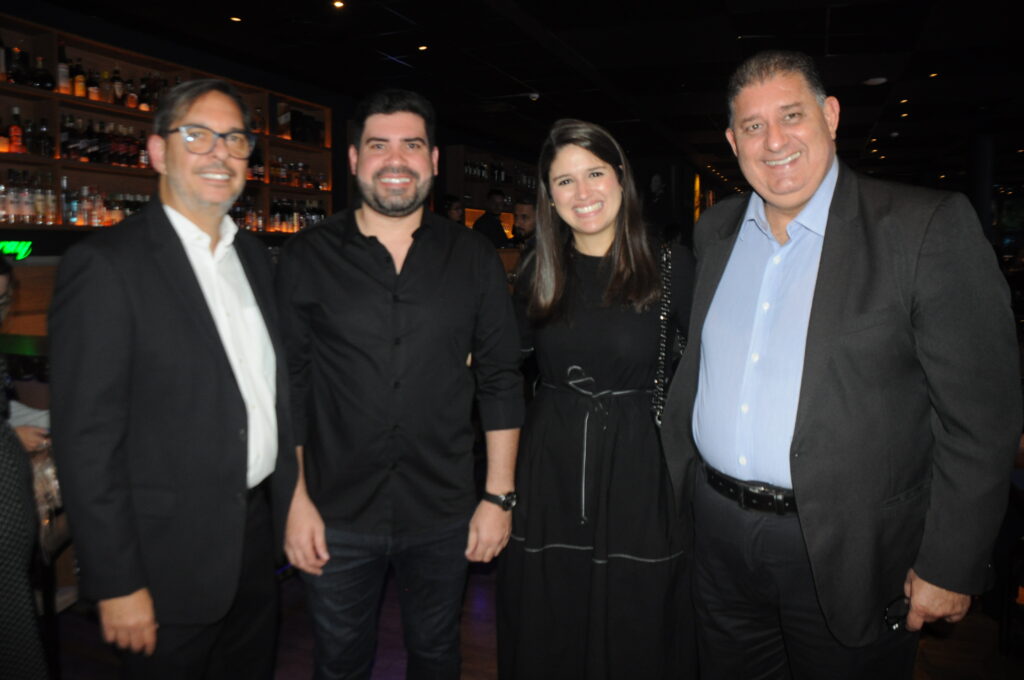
x=21 y=651
x=592 y=583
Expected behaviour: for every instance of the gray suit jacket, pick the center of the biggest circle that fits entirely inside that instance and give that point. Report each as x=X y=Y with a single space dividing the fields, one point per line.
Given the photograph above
x=910 y=406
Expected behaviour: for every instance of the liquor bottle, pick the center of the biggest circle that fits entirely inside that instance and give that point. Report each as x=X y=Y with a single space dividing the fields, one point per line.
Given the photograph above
x=15 y=72
x=78 y=87
x=143 y=161
x=63 y=70
x=92 y=86
x=3 y=63
x=44 y=142
x=259 y=121
x=106 y=88
x=144 y=104
x=28 y=138
x=5 y=141
x=15 y=132
x=131 y=99
x=41 y=77
x=118 y=85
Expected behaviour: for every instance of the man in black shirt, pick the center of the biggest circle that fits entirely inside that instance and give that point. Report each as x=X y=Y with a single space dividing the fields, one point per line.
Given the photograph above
x=489 y=224
x=393 y=319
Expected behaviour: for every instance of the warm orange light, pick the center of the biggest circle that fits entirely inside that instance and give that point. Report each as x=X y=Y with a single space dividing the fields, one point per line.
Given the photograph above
x=236 y=19
x=882 y=157
x=422 y=48
x=933 y=75
x=904 y=115
x=904 y=101
x=339 y=4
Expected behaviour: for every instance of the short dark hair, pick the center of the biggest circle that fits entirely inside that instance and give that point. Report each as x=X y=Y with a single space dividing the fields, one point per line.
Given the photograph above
x=393 y=100
x=527 y=200
x=770 y=63
x=180 y=98
x=635 y=278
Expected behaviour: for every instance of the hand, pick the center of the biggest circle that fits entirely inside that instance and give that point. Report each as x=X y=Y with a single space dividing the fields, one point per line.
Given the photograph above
x=929 y=602
x=129 y=621
x=489 y=530
x=304 y=540
x=33 y=438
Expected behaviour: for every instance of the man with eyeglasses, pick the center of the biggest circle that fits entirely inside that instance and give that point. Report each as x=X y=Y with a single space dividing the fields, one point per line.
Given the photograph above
x=169 y=409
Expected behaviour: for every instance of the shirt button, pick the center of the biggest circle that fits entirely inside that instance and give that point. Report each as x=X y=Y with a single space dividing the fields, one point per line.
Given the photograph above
x=743 y=460
x=744 y=408
x=241 y=434
x=755 y=357
x=777 y=259
x=765 y=306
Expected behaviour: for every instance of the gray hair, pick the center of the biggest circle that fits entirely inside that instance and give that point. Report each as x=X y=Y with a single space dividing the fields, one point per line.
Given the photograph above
x=766 y=65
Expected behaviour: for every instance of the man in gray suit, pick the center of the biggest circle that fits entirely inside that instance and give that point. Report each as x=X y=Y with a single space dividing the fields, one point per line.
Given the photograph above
x=845 y=417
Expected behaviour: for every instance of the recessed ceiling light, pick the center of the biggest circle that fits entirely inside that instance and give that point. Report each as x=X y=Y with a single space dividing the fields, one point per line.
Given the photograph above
x=882 y=157
x=877 y=80
x=874 y=151
x=236 y=19
x=933 y=75
x=422 y=48
x=894 y=134
x=904 y=115
x=338 y=4
x=942 y=177
x=874 y=139
x=904 y=101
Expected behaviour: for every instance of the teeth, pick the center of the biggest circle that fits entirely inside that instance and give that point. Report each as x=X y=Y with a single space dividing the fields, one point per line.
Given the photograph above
x=395 y=180
x=590 y=208
x=785 y=160
x=215 y=175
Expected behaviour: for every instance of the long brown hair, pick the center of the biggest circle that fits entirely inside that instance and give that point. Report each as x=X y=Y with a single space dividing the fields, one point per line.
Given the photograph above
x=634 y=276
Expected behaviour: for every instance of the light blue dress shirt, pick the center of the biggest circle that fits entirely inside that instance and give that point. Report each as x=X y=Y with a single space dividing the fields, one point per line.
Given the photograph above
x=752 y=345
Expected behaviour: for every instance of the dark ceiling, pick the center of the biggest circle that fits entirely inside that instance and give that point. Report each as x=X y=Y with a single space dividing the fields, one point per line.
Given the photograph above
x=652 y=72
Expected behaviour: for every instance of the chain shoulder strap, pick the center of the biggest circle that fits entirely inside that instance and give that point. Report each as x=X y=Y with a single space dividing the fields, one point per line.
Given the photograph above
x=664 y=312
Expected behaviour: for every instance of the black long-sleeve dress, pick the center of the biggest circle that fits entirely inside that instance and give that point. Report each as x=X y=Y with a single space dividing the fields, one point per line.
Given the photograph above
x=592 y=584
x=21 y=651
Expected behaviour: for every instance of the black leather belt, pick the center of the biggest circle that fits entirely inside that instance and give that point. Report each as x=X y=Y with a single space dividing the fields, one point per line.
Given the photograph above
x=752 y=495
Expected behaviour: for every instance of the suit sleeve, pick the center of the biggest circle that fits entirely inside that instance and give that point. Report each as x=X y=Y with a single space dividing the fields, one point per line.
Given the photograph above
x=91 y=353
x=967 y=347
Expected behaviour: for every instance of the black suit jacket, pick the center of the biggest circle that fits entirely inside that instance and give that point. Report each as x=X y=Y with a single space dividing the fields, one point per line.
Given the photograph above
x=149 y=426
x=909 y=409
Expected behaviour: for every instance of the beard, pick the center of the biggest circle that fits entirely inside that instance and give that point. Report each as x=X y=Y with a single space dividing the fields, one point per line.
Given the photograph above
x=395 y=205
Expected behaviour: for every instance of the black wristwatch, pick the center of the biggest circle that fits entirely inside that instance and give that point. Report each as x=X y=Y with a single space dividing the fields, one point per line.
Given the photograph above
x=506 y=502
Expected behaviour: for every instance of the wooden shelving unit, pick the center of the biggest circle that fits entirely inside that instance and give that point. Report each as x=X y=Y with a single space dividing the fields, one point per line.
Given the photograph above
x=283 y=117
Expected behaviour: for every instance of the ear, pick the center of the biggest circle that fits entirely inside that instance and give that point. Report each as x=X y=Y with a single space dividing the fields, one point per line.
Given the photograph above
x=157 y=147
x=831 y=110
x=433 y=159
x=353 y=158
x=732 y=140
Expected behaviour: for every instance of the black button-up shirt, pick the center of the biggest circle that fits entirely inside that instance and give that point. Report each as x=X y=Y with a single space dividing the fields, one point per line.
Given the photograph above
x=382 y=383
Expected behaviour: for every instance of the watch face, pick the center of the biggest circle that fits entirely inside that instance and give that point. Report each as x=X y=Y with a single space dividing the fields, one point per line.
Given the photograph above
x=509 y=501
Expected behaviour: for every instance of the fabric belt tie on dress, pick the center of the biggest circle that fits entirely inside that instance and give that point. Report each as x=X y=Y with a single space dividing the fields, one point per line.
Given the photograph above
x=578 y=382
x=752 y=495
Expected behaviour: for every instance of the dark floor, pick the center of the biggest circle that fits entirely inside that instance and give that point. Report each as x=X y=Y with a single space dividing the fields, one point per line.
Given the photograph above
x=967 y=651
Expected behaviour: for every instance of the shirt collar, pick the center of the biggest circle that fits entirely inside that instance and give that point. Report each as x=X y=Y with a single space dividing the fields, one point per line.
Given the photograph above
x=190 y=233
x=814 y=216
x=350 y=229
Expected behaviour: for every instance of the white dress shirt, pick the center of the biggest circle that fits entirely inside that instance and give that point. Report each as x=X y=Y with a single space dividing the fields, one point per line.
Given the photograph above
x=242 y=331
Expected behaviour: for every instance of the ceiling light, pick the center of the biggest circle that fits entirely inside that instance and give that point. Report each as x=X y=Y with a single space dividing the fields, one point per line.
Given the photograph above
x=904 y=115
x=874 y=139
x=877 y=80
x=422 y=48
x=338 y=4
x=882 y=157
x=904 y=101
x=874 y=151
x=942 y=177
x=894 y=134
x=236 y=19
x=933 y=75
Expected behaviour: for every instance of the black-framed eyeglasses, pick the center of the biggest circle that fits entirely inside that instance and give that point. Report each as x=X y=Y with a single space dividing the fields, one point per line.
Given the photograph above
x=895 y=615
x=200 y=139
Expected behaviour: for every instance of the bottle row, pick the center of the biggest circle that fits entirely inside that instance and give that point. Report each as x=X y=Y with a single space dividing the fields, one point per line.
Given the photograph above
x=286 y=215
x=485 y=171
x=72 y=78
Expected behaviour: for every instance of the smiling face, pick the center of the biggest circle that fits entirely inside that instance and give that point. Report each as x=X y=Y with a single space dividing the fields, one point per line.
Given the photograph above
x=784 y=141
x=394 y=165
x=202 y=187
x=587 y=196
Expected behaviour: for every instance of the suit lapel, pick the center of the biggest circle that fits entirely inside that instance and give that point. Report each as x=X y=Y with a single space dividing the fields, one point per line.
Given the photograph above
x=842 y=237
x=173 y=264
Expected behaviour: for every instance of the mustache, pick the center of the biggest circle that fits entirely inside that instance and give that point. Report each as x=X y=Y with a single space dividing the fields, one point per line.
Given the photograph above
x=397 y=169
